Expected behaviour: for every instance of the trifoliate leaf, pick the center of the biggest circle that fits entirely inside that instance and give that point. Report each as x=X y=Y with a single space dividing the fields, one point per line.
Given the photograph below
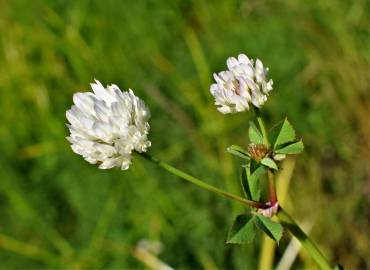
x=243 y=230
x=255 y=135
x=269 y=163
x=273 y=229
x=282 y=133
x=238 y=151
x=293 y=148
x=251 y=182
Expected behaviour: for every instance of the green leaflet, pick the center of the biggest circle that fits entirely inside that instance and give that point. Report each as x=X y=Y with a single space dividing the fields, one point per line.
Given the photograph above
x=242 y=230
x=293 y=148
x=282 y=133
x=238 y=151
x=255 y=136
x=273 y=229
x=269 y=163
x=251 y=182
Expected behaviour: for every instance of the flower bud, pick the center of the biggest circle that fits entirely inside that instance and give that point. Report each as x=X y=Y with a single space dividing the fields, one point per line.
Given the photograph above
x=257 y=151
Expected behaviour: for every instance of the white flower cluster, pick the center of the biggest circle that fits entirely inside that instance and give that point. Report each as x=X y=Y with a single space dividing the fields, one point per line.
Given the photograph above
x=244 y=82
x=107 y=124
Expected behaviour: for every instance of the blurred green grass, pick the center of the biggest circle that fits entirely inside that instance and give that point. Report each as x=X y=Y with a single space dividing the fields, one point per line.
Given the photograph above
x=58 y=211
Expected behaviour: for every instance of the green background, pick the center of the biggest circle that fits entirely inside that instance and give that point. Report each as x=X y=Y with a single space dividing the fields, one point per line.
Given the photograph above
x=58 y=211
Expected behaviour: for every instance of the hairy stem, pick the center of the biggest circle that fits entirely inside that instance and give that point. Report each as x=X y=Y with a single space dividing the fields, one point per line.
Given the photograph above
x=288 y=222
x=200 y=183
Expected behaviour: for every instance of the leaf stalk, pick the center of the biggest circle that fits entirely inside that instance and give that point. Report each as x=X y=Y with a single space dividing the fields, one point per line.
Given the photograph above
x=200 y=183
x=288 y=222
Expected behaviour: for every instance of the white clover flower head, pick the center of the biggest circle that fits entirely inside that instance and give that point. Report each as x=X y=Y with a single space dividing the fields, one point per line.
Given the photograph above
x=106 y=125
x=244 y=83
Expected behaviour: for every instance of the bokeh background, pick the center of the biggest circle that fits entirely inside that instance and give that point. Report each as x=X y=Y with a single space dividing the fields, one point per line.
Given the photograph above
x=58 y=211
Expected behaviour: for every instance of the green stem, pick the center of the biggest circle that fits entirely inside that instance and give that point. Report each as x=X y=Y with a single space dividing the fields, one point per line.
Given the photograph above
x=262 y=127
x=288 y=222
x=200 y=183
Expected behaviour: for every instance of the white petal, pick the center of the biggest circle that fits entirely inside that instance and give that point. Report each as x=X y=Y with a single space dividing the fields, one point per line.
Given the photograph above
x=84 y=101
x=243 y=59
x=99 y=90
x=259 y=66
x=110 y=163
x=231 y=62
x=217 y=78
